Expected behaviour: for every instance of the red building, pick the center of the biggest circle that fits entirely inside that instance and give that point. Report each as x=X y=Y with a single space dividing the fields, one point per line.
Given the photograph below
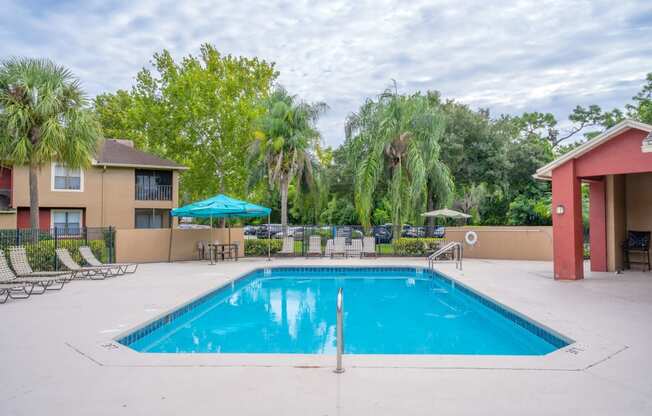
x=617 y=166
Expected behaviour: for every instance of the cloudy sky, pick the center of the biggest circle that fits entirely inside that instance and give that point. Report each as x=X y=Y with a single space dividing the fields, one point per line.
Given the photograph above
x=510 y=56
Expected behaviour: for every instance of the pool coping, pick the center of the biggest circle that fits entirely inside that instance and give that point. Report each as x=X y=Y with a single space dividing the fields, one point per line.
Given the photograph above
x=574 y=357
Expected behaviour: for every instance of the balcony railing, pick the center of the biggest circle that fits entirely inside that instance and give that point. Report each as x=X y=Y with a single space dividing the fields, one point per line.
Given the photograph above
x=5 y=199
x=153 y=192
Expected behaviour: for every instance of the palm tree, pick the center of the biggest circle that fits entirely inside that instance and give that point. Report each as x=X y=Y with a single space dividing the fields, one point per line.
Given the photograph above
x=397 y=138
x=282 y=149
x=43 y=118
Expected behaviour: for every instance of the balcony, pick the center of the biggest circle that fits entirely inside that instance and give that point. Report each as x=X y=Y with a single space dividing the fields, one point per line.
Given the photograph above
x=5 y=199
x=150 y=192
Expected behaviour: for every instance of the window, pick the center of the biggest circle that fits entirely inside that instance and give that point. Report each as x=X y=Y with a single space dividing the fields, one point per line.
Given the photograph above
x=153 y=185
x=67 y=179
x=152 y=218
x=67 y=222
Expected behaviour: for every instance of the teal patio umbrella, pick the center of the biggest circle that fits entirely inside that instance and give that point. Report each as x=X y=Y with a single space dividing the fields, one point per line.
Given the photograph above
x=223 y=206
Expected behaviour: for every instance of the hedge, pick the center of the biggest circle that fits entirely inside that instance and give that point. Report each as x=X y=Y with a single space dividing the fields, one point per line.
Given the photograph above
x=41 y=255
x=415 y=246
x=255 y=247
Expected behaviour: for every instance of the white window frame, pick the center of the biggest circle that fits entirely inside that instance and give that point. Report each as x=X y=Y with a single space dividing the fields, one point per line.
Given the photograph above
x=52 y=177
x=81 y=217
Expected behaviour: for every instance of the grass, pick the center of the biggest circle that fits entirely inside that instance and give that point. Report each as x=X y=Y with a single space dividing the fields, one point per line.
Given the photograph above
x=385 y=248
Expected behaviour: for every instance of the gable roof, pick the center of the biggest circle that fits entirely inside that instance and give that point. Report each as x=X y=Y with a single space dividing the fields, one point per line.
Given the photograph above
x=545 y=172
x=121 y=153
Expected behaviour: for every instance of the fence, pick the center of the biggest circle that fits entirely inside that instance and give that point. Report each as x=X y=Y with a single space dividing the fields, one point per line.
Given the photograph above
x=410 y=241
x=41 y=244
x=518 y=243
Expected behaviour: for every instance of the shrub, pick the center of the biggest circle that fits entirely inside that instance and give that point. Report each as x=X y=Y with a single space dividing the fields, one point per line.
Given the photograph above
x=259 y=247
x=415 y=246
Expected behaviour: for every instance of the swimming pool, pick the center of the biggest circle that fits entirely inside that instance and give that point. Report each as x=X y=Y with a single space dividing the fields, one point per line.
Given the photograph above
x=387 y=310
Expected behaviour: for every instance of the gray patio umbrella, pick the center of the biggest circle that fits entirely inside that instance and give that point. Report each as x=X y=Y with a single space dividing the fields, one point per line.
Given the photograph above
x=446 y=213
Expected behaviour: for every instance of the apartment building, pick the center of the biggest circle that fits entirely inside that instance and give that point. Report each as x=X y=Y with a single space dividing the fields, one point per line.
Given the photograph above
x=124 y=187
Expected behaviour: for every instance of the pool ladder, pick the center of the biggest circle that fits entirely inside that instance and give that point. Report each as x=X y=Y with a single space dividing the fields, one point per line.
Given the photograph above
x=340 y=331
x=454 y=247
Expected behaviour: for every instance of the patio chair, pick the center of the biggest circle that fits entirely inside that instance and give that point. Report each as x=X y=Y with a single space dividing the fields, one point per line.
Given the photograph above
x=78 y=271
x=329 y=247
x=314 y=246
x=355 y=248
x=19 y=288
x=638 y=242
x=288 y=247
x=47 y=280
x=202 y=247
x=368 y=247
x=89 y=257
x=339 y=247
x=14 y=291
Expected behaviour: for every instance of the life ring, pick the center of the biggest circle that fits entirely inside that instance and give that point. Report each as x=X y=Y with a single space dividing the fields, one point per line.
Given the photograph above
x=471 y=238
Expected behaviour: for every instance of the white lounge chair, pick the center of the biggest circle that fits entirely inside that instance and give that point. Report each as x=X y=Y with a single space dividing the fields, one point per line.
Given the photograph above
x=46 y=280
x=314 y=246
x=339 y=247
x=89 y=257
x=78 y=271
x=329 y=247
x=369 y=247
x=10 y=285
x=21 y=287
x=355 y=248
x=288 y=247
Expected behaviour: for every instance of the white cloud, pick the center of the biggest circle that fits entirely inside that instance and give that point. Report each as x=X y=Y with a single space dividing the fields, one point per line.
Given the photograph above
x=509 y=56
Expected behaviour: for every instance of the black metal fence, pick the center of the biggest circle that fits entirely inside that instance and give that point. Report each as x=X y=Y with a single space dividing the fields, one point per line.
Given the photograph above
x=409 y=240
x=40 y=245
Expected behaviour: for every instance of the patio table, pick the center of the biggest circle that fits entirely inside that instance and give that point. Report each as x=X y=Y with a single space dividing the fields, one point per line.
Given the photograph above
x=222 y=249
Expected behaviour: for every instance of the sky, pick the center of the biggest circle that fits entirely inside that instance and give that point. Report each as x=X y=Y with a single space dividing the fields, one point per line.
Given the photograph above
x=508 y=56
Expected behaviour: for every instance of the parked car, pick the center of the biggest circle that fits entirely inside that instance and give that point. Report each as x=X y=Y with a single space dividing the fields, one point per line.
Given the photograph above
x=251 y=230
x=296 y=232
x=348 y=232
x=382 y=234
x=414 y=232
x=271 y=230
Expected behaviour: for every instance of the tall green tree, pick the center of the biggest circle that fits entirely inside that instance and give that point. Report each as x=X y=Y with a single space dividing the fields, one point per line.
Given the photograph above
x=43 y=118
x=200 y=111
x=641 y=108
x=284 y=145
x=396 y=139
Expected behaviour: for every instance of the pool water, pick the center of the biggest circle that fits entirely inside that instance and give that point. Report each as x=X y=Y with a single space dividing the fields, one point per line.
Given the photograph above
x=386 y=311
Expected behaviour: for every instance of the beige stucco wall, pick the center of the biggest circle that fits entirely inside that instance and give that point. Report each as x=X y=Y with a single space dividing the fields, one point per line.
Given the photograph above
x=639 y=201
x=616 y=220
x=146 y=246
x=7 y=220
x=507 y=243
x=108 y=195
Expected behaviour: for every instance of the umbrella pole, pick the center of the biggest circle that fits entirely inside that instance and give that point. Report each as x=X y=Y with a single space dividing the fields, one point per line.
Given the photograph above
x=210 y=247
x=269 y=241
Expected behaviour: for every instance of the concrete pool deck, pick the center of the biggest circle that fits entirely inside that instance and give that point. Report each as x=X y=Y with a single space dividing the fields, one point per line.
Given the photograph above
x=59 y=357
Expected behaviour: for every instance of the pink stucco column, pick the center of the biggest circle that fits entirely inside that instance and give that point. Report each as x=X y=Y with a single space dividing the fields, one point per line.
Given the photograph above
x=567 y=226
x=598 y=226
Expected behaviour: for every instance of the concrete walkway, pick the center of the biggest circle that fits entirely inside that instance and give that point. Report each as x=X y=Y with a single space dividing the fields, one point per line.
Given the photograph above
x=52 y=363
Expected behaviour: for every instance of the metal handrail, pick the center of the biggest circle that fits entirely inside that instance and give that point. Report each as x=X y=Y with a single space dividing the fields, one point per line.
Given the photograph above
x=153 y=192
x=340 y=331
x=455 y=247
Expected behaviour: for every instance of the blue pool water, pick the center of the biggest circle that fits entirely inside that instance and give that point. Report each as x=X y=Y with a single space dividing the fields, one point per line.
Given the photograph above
x=386 y=311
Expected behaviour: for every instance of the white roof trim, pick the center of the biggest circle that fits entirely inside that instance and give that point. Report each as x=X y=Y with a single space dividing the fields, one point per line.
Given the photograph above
x=545 y=173
x=129 y=165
